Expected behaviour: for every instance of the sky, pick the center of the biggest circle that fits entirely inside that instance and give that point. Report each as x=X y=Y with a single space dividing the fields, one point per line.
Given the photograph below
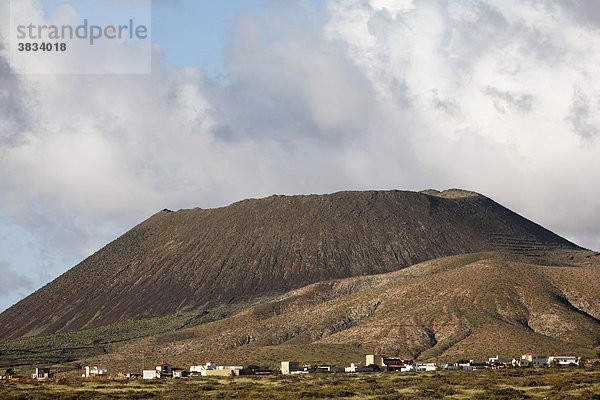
x=253 y=98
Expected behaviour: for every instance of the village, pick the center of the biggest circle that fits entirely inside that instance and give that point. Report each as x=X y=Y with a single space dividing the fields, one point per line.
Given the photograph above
x=373 y=363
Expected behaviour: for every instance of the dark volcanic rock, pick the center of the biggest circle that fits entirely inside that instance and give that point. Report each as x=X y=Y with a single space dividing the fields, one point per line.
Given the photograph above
x=184 y=260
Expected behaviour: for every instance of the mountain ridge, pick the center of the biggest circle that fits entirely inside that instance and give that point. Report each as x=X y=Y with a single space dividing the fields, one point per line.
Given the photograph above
x=189 y=259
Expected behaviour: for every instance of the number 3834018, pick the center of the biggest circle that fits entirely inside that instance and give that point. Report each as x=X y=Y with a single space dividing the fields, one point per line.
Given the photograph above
x=44 y=46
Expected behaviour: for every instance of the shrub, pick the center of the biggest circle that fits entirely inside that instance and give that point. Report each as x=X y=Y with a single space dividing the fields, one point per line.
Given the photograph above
x=502 y=394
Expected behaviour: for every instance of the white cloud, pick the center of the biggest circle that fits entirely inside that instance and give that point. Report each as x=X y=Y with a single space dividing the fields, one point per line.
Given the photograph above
x=12 y=284
x=498 y=97
x=496 y=93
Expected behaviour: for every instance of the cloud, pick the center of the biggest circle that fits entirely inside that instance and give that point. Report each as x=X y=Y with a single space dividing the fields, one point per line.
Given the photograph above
x=311 y=80
x=14 y=116
x=12 y=283
x=582 y=11
x=501 y=98
x=584 y=115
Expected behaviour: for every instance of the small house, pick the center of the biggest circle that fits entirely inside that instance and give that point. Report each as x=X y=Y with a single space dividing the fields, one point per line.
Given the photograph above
x=451 y=366
x=373 y=359
x=498 y=360
x=427 y=367
x=220 y=372
x=289 y=366
x=197 y=369
x=212 y=369
x=164 y=370
x=390 y=362
x=563 y=360
x=95 y=370
x=533 y=360
x=179 y=373
x=150 y=374
x=358 y=368
x=330 y=368
x=42 y=373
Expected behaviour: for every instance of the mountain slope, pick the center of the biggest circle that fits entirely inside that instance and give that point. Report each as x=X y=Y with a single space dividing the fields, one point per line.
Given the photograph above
x=182 y=261
x=468 y=306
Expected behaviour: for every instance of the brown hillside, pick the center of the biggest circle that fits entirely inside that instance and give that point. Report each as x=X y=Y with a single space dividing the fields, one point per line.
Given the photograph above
x=473 y=306
x=186 y=260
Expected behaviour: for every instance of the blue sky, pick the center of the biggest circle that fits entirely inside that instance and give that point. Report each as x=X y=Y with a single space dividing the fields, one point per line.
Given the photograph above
x=191 y=32
x=252 y=98
x=196 y=32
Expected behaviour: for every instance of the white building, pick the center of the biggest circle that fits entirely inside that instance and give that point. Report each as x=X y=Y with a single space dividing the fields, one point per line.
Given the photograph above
x=42 y=373
x=94 y=370
x=472 y=365
x=287 y=367
x=179 y=373
x=499 y=360
x=449 y=366
x=533 y=360
x=427 y=367
x=215 y=369
x=330 y=368
x=164 y=369
x=231 y=367
x=150 y=374
x=200 y=368
x=358 y=368
x=563 y=360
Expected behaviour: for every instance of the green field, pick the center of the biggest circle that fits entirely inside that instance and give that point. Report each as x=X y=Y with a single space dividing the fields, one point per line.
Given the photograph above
x=534 y=383
x=62 y=351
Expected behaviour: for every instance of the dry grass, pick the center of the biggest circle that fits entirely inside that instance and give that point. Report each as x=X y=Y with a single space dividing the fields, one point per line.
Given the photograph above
x=567 y=383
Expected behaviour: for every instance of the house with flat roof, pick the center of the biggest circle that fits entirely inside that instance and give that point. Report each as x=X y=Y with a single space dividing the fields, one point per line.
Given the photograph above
x=288 y=367
x=357 y=367
x=533 y=360
x=498 y=360
x=42 y=373
x=150 y=374
x=179 y=373
x=213 y=369
x=389 y=363
x=373 y=359
x=95 y=370
x=563 y=360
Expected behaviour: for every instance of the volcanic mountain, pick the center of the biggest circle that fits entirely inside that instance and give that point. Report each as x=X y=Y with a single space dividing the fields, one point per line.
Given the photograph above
x=184 y=261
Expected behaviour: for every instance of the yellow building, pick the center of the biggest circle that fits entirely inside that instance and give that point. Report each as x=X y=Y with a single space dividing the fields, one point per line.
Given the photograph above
x=220 y=372
x=374 y=360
